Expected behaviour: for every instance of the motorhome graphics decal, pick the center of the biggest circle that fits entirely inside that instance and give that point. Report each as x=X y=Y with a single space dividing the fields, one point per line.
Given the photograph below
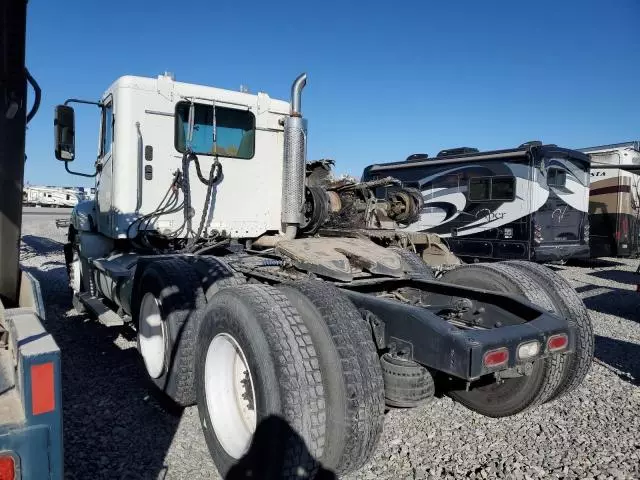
x=446 y=196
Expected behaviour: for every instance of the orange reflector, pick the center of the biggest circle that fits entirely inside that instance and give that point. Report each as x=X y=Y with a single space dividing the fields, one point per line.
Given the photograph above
x=43 y=394
x=557 y=342
x=7 y=467
x=496 y=358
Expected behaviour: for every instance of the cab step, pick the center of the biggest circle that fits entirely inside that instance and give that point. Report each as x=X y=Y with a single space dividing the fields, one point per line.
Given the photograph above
x=96 y=307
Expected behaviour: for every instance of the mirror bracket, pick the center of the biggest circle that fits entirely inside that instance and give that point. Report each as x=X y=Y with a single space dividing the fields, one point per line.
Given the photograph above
x=87 y=175
x=85 y=102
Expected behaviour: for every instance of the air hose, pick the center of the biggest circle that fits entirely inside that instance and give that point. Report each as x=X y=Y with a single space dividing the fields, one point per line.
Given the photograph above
x=215 y=174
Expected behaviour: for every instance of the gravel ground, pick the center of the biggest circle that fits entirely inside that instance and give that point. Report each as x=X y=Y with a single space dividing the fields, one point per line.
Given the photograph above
x=114 y=429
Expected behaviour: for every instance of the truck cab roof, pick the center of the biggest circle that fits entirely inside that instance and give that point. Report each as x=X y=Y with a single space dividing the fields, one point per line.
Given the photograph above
x=167 y=86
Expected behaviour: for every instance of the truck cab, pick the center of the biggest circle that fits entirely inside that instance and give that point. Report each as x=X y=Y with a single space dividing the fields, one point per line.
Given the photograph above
x=149 y=117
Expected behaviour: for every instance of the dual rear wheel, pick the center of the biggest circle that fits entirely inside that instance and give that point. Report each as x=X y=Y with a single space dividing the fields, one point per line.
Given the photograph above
x=287 y=380
x=547 y=378
x=302 y=391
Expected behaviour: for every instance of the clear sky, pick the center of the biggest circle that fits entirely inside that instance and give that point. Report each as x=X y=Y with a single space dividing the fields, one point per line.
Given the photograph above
x=386 y=79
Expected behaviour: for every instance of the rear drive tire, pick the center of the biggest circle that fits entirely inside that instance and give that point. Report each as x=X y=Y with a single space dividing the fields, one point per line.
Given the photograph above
x=511 y=395
x=215 y=275
x=568 y=304
x=168 y=321
x=262 y=411
x=413 y=264
x=351 y=372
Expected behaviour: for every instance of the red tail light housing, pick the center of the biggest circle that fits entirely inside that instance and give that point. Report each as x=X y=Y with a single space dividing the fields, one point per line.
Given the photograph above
x=496 y=358
x=7 y=466
x=558 y=342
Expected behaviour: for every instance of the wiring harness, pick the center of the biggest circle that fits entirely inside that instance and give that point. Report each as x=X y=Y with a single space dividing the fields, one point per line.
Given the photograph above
x=171 y=203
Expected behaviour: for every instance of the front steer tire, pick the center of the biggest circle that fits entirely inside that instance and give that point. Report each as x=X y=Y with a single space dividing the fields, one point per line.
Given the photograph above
x=351 y=372
x=288 y=433
x=171 y=286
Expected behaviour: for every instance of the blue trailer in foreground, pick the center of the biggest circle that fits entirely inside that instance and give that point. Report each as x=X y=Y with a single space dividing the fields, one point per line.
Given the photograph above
x=30 y=388
x=30 y=391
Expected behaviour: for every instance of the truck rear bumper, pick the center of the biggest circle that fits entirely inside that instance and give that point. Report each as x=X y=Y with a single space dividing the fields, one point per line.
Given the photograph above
x=554 y=253
x=432 y=341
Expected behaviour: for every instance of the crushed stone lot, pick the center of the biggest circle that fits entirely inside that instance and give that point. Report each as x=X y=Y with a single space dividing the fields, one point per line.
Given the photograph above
x=114 y=429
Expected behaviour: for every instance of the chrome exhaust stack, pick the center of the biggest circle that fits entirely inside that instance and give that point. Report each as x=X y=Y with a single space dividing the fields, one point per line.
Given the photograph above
x=295 y=159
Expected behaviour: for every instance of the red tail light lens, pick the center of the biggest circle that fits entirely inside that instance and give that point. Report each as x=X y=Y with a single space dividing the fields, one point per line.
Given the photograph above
x=557 y=342
x=496 y=358
x=7 y=466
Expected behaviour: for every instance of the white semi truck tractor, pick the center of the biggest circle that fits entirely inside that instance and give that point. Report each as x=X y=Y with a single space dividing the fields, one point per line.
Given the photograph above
x=291 y=307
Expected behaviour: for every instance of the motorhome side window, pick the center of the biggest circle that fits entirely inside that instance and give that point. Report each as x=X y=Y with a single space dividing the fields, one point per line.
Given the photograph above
x=235 y=131
x=503 y=188
x=450 y=181
x=107 y=129
x=491 y=188
x=556 y=177
x=479 y=189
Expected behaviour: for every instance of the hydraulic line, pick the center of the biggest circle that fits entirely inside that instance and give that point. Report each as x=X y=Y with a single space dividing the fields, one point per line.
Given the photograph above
x=215 y=174
x=168 y=204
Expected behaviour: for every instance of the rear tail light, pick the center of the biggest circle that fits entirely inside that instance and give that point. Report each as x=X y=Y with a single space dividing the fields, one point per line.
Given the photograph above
x=557 y=342
x=537 y=234
x=496 y=358
x=585 y=232
x=528 y=350
x=7 y=466
x=623 y=230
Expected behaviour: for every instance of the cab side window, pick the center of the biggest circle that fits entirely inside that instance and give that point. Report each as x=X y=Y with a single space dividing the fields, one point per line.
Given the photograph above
x=107 y=129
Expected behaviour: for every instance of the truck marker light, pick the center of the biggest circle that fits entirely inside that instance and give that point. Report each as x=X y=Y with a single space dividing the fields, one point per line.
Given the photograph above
x=43 y=398
x=528 y=350
x=496 y=358
x=557 y=342
x=7 y=466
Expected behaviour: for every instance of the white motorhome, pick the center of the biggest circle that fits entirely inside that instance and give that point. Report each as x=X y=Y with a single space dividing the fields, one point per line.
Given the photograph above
x=614 y=200
x=50 y=196
x=525 y=203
